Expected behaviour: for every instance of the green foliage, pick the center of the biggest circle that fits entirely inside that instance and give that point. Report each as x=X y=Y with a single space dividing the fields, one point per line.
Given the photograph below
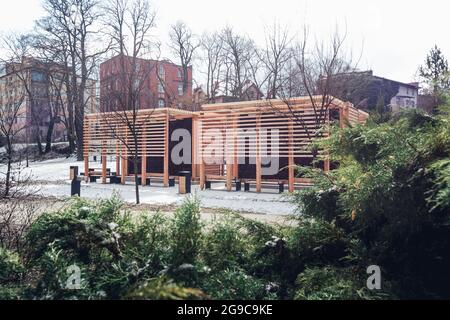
x=331 y=283
x=11 y=267
x=162 y=288
x=225 y=244
x=387 y=203
x=114 y=250
x=83 y=231
x=435 y=73
x=186 y=233
x=235 y=284
x=317 y=242
x=390 y=195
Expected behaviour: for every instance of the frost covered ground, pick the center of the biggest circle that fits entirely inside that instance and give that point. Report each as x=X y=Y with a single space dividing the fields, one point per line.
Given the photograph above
x=52 y=176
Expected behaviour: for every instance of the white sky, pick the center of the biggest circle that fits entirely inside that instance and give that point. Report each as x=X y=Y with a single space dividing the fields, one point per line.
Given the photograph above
x=395 y=35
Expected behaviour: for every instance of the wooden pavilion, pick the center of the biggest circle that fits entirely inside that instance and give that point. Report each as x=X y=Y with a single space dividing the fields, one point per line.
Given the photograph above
x=230 y=142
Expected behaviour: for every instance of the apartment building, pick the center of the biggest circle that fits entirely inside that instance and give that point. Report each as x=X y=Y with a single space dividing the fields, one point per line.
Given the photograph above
x=40 y=90
x=160 y=83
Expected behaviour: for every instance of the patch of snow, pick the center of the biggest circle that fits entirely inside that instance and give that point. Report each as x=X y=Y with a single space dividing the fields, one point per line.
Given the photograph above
x=53 y=177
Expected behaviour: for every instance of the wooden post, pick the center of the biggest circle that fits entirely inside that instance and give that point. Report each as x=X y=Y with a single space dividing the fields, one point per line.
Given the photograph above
x=124 y=158
x=86 y=167
x=104 y=162
x=258 y=153
x=229 y=164
x=144 y=157
x=117 y=158
x=326 y=162
x=86 y=153
x=291 y=162
x=200 y=156
x=166 y=149
x=202 y=174
x=235 y=143
x=194 y=148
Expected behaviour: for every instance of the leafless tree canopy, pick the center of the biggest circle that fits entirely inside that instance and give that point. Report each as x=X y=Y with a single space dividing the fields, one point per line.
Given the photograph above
x=183 y=45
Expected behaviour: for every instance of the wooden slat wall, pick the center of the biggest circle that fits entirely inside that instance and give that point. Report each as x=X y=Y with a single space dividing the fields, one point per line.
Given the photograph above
x=109 y=130
x=105 y=133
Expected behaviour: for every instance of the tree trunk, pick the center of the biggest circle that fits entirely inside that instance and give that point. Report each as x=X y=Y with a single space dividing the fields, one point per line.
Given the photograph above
x=38 y=141
x=48 y=142
x=136 y=182
x=9 y=152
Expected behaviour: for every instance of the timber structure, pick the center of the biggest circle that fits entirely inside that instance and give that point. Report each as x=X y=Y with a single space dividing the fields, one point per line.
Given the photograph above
x=254 y=142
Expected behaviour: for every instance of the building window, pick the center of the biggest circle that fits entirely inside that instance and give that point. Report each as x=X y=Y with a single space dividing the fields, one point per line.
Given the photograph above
x=180 y=89
x=160 y=87
x=37 y=76
x=179 y=75
x=161 y=70
x=161 y=103
x=136 y=84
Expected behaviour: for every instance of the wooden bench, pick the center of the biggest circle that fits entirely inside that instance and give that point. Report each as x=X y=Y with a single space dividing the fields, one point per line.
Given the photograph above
x=95 y=173
x=279 y=184
x=149 y=179
x=161 y=179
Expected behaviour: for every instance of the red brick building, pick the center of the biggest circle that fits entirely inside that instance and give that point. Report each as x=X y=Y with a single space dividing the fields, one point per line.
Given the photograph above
x=160 y=83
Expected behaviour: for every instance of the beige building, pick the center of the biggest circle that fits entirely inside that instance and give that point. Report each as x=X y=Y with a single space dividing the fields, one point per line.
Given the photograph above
x=40 y=89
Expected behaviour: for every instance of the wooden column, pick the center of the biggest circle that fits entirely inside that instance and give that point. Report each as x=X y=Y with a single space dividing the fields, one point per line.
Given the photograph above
x=229 y=182
x=166 y=149
x=200 y=155
x=124 y=159
x=326 y=162
x=258 y=153
x=86 y=153
x=202 y=174
x=235 y=143
x=194 y=148
x=291 y=163
x=229 y=164
x=117 y=158
x=341 y=117
x=144 y=157
x=104 y=162
x=86 y=167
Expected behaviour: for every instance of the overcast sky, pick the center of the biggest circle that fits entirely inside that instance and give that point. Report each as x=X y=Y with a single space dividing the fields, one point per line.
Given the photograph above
x=395 y=34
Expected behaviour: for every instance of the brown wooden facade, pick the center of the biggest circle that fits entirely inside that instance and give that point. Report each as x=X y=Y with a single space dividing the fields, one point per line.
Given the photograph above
x=230 y=141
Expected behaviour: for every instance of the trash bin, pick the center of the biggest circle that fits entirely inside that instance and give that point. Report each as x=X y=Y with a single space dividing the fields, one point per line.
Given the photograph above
x=75 y=189
x=184 y=182
x=238 y=185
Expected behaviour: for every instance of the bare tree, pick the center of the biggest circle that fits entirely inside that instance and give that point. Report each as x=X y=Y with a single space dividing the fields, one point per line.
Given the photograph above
x=275 y=55
x=129 y=25
x=73 y=24
x=183 y=44
x=51 y=49
x=212 y=48
x=319 y=69
x=238 y=52
x=12 y=124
